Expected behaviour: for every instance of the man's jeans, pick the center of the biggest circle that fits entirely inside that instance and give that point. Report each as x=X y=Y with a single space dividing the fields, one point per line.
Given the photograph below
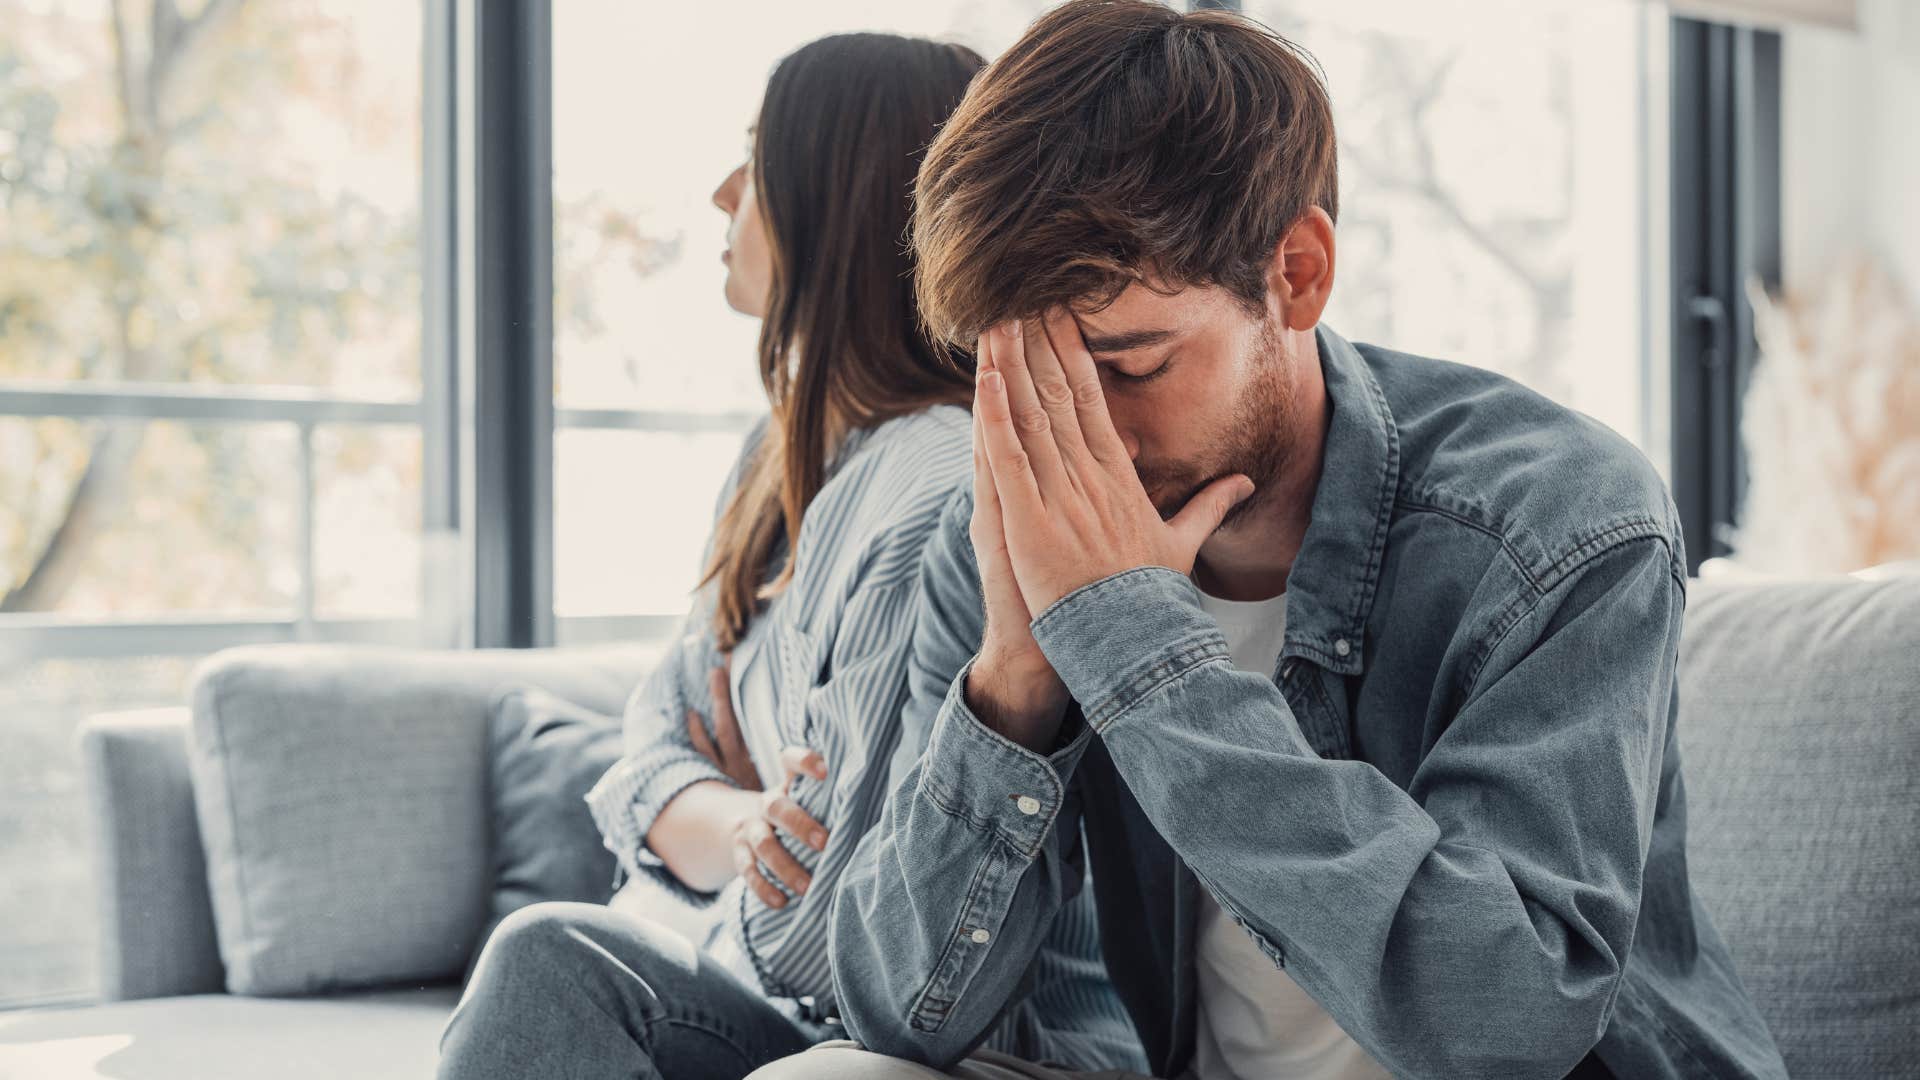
x=568 y=990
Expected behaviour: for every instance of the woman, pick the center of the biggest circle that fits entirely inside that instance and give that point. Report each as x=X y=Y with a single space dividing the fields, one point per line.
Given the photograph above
x=805 y=642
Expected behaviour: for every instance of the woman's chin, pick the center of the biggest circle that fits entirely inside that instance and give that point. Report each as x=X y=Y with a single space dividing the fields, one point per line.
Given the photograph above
x=743 y=306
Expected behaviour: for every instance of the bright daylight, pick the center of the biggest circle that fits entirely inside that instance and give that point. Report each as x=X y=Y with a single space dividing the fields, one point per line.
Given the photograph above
x=999 y=539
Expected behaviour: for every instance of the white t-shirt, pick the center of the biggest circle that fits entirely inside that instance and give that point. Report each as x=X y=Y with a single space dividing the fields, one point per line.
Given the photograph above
x=1255 y=1023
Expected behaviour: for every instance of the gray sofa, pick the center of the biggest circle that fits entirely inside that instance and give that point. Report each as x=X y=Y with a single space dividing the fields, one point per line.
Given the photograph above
x=1800 y=732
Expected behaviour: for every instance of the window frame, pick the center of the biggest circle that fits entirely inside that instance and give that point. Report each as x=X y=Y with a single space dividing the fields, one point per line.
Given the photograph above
x=31 y=636
x=1724 y=214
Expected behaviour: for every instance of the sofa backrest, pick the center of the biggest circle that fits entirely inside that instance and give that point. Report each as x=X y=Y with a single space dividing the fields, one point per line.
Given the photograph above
x=1800 y=738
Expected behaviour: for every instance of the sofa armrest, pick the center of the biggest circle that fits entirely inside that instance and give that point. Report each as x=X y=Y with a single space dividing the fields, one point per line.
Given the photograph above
x=150 y=884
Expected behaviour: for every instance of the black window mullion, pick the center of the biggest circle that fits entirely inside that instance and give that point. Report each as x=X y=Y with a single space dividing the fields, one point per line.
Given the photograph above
x=1725 y=215
x=513 y=340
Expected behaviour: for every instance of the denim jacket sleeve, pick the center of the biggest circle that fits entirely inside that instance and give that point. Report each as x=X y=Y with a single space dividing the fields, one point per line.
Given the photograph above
x=949 y=899
x=1497 y=894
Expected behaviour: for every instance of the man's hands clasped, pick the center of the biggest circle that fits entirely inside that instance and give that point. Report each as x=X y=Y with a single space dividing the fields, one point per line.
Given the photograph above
x=1057 y=505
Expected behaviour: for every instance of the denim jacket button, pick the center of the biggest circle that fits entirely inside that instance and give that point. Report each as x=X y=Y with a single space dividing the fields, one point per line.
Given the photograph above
x=1341 y=648
x=981 y=937
x=1028 y=805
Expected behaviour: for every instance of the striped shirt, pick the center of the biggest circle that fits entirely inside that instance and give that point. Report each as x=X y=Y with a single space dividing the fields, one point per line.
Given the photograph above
x=837 y=648
x=836 y=643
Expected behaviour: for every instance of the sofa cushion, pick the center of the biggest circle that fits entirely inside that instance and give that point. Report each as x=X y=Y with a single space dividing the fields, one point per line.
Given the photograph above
x=341 y=799
x=544 y=754
x=392 y=1033
x=1800 y=732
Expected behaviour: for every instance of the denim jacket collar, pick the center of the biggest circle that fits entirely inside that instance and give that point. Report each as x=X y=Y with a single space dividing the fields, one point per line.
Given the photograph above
x=1331 y=586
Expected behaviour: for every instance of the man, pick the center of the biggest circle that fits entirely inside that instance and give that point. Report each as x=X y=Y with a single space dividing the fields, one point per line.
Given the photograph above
x=1350 y=673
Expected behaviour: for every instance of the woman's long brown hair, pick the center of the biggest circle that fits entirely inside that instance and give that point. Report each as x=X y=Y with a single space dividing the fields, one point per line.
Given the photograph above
x=844 y=125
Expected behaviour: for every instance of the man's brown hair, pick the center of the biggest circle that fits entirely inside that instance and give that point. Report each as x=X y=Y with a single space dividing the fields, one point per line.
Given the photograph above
x=1119 y=141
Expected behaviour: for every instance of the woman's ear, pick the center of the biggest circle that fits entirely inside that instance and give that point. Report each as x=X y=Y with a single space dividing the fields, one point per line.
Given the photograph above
x=1300 y=274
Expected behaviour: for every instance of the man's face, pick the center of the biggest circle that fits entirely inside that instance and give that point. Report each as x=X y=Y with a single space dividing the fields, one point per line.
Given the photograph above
x=1199 y=388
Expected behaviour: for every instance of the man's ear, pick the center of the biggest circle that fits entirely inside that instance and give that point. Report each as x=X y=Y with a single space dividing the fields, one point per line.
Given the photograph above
x=1300 y=274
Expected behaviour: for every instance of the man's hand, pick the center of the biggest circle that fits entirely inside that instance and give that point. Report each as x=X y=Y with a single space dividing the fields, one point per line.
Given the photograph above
x=1011 y=687
x=1071 y=504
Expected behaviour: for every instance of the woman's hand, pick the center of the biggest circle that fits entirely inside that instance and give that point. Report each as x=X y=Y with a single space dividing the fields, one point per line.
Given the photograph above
x=755 y=843
x=725 y=748
x=752 y=830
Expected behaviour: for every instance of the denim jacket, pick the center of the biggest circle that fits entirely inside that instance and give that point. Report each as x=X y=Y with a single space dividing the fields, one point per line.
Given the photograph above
x=1454 y=814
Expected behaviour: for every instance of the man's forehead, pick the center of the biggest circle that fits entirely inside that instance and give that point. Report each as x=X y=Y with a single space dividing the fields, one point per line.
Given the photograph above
x=1139 y=318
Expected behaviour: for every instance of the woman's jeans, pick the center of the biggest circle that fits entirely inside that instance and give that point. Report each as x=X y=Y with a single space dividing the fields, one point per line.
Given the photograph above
x=566 y=990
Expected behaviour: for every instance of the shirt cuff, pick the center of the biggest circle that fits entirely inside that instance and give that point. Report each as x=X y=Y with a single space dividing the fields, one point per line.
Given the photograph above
x=632 y=794
x=1123 y=637
x=971 y=771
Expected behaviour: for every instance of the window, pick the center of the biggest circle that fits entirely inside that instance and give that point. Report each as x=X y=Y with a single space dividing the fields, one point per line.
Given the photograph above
x=210 y=379
x=1495 y=211
x=655 y=378
x=1494 y=163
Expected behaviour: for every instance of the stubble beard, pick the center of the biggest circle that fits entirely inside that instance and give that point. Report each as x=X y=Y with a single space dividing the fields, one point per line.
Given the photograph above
x=1259 y=441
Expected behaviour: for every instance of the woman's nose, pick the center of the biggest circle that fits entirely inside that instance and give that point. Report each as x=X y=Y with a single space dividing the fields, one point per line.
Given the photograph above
x=727 y=195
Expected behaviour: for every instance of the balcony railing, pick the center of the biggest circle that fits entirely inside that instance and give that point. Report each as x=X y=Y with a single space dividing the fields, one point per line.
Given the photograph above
x=29 y=636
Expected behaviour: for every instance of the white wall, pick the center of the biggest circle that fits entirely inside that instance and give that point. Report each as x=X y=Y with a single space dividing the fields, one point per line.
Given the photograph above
x=1850 y=144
